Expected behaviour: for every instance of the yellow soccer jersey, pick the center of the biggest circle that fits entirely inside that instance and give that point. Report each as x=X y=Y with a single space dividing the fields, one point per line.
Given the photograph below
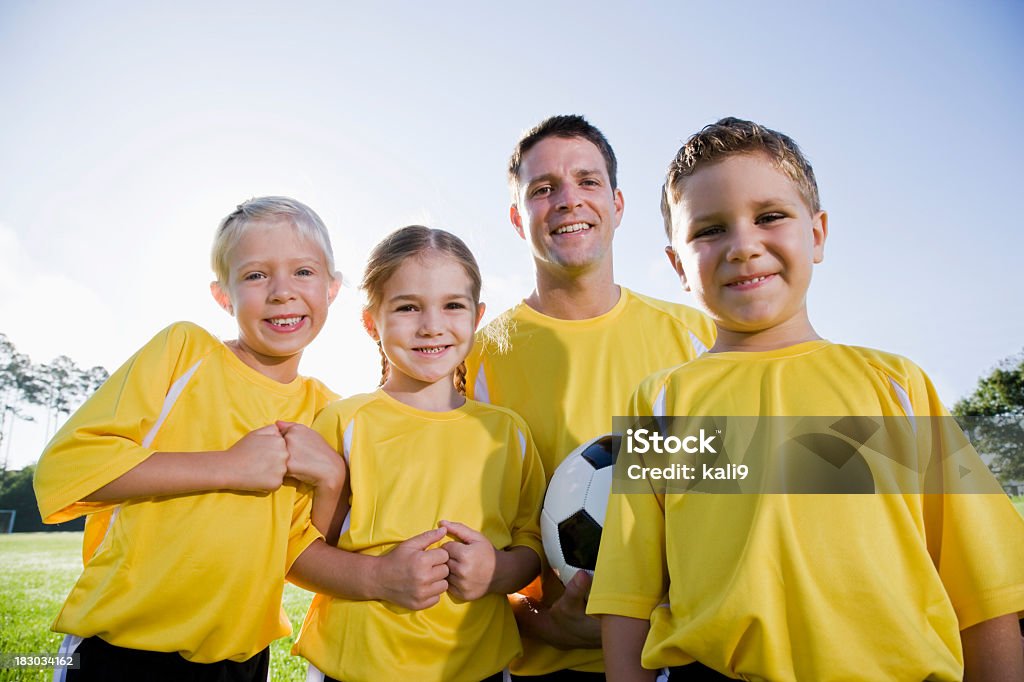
x=814 y=586
x=199 y=574
x=567 y=379
x=410 y=469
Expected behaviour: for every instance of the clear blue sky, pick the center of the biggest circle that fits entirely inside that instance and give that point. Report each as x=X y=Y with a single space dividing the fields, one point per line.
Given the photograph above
x=129 y=130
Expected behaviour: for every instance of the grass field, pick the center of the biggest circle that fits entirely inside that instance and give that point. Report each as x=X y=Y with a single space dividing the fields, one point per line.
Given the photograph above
x=37 y=570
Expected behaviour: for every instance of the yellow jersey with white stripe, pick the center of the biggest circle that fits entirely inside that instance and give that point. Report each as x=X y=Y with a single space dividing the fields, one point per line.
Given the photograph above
x=198 y=574
x=807 y=586
x=567 y=379
x=409 y=469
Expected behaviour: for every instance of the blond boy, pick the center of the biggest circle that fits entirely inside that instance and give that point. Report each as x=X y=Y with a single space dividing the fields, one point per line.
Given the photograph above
x=200 y=480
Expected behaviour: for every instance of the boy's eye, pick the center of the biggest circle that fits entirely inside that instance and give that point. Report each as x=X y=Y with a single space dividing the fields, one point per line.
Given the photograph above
x=770 y=217
x=252 y=276
x=708 y=231
x=455 y=305
x=407 y=308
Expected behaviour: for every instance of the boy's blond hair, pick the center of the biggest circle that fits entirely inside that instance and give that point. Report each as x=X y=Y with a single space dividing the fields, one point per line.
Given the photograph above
x=303 y=218
x=729 y=137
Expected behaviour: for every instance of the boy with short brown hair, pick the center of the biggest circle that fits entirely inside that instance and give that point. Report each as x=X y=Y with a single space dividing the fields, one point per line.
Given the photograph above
x=793 y=587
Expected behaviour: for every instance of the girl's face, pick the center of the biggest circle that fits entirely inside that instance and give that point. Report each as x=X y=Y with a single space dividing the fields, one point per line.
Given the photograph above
x=425 y=321
x=279 y=288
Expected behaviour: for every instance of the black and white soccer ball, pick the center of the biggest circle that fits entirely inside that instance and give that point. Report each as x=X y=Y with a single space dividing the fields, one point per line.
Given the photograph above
x=575 y=505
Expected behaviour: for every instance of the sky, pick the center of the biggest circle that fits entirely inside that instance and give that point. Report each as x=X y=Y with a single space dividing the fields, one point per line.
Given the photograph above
x=128 y=130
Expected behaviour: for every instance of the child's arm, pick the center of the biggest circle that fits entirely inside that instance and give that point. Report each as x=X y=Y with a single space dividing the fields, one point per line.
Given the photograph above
x=993 y=651
x=476 y=568
x=410 y=575
x=313 y=462
x=624 y=639
x=257 y=462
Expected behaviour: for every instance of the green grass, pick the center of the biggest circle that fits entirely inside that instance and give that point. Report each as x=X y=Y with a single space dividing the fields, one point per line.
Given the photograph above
x=37 y=570
x=284 y=666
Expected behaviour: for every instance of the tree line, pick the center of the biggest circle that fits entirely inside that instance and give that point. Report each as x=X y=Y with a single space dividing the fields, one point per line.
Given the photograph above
x=29 y=392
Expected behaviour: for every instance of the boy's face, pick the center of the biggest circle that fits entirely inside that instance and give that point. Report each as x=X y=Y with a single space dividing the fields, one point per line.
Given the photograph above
x=744 y=242
x=566 y=206
x=279 y=288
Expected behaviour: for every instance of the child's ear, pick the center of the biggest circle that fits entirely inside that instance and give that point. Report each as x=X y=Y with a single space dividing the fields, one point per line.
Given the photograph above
x=370 y=326
x=222 y=297
x=819 y=230
x=335 y=287
x=480 y=308
x=677 y=265
x=517 y=220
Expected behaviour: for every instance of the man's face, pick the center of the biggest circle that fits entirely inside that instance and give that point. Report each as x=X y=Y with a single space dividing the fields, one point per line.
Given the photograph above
x=566 y=207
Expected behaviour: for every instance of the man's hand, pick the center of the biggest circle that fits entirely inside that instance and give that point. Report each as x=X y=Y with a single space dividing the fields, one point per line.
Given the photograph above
x=565 y=624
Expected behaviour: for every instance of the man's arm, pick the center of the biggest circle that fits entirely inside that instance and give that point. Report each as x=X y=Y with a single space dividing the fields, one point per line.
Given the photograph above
x=993 y=651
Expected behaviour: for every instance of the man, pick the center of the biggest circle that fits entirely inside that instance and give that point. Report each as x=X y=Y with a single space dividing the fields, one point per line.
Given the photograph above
x=576 y=349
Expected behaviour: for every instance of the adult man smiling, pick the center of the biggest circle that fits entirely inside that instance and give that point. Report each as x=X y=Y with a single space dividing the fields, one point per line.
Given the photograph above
x=578 y=346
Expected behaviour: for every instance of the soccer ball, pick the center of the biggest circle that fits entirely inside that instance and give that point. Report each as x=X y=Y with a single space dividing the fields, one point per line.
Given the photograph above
x=574 y=507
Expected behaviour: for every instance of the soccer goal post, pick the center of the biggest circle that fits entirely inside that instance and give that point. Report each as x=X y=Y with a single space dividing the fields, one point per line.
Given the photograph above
x=7 y=520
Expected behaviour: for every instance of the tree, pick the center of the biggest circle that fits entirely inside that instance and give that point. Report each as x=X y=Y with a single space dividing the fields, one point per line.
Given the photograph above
x=59 y=387
x=994 y=413
x=15 y=389
x=63 y=386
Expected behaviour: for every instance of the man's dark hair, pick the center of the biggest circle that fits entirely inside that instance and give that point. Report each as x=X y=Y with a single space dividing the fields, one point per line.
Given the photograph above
x=560 y=126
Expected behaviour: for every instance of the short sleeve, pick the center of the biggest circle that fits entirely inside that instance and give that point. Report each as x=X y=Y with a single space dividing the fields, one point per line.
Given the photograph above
x=301 y=533
x=975 y=535
x=631 y=578
x=105 y=437
x=526 y=525
x=328 y=423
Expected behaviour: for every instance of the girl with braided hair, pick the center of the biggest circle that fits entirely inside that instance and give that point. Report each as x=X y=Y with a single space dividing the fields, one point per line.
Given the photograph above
x=427 y=464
